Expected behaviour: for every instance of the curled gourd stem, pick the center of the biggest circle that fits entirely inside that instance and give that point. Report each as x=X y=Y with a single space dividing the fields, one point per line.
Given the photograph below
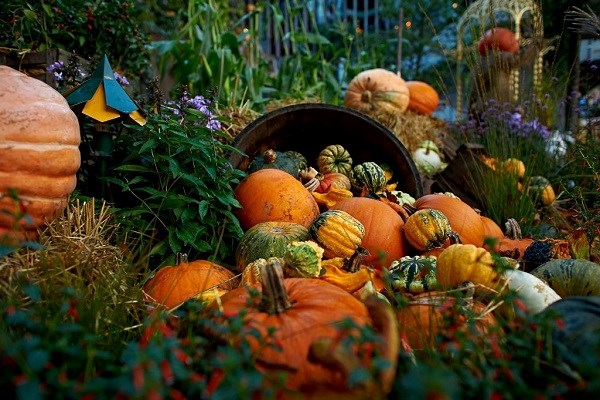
x=513 y=229
x=275 y=299
x=454 y=238
x=354 y=262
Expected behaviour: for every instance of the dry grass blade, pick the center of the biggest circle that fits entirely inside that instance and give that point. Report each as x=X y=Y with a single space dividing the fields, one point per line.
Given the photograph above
x=584 y=22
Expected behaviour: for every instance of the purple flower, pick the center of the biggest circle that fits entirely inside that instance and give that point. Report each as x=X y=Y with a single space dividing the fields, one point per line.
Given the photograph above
x=57 y=69
x=213 y=124
x=121 y=79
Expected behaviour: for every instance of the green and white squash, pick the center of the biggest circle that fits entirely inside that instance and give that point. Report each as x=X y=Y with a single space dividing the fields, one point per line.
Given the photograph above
x=368 y=175
x=267 y=239
x=413 y=274
x=291 y=162
x=303 y=259
x=338 y=232
x=570 y=277
x=334 y=158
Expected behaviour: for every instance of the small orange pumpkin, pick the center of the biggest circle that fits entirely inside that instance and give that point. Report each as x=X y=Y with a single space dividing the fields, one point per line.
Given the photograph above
x=173 y=285
x=430 y=314
x=272 y=195
x=39 y=153
x=377 y=90
x=423 y=98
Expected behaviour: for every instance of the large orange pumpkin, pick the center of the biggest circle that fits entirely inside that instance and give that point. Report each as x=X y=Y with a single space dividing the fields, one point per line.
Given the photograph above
x=499 y=39
x=174 y=284
x=423 y=98
x=383 y=238
x=464 y=220
x=293 y=313
x=39 y=153
x=376 y=90
x=272 y=195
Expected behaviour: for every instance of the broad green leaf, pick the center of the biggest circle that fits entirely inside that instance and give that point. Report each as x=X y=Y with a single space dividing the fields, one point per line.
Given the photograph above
x=133 y=168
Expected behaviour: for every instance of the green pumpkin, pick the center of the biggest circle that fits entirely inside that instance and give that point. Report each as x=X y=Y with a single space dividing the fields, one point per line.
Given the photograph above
x=576 y=337
x=413 y=274
x=267 y=239
x=334 y=158
x=368 y=175
x=291 y=162
x=570 y=277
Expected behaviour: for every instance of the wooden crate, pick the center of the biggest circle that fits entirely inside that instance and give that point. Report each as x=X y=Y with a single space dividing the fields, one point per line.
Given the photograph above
x=34 y=63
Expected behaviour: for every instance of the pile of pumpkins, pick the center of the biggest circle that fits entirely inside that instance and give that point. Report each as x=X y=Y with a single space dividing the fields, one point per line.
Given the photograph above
x=339 y=240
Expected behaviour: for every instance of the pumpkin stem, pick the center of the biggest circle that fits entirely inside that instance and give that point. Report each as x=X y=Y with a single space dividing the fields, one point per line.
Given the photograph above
x=513 y=229
x=366 y=96
x=275 y=299
x=181 y=258
x=354 y=262
x=270 y=156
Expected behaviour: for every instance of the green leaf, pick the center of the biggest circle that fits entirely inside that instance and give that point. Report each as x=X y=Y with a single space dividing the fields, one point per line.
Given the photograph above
x=149 y=145
x=203 y=208
x=133 y=168
x=174 y=242
x=174 y=167
x=187 y=234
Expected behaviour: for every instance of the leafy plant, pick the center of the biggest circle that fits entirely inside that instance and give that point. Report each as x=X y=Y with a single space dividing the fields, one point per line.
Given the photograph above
x=179 y=184
x=88 y=28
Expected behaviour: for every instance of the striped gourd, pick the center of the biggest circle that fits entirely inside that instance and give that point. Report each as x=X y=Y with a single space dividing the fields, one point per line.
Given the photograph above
x=338 y=232
x=427 y=228
x=368 y=175
x=303 y=259
x=413 y=274
x=334 y=158
x=267 y=239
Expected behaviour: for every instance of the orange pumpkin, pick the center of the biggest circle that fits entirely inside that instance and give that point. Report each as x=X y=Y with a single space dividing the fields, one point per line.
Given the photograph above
x=376 y=90
x=293 y=313
x=272 y=195
x=173 y=285
x=423 y=98
x=491 y=229
x=39 y=153
x=498 y=39
x=430 y=314
x=383 y=238
x=464 y=220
